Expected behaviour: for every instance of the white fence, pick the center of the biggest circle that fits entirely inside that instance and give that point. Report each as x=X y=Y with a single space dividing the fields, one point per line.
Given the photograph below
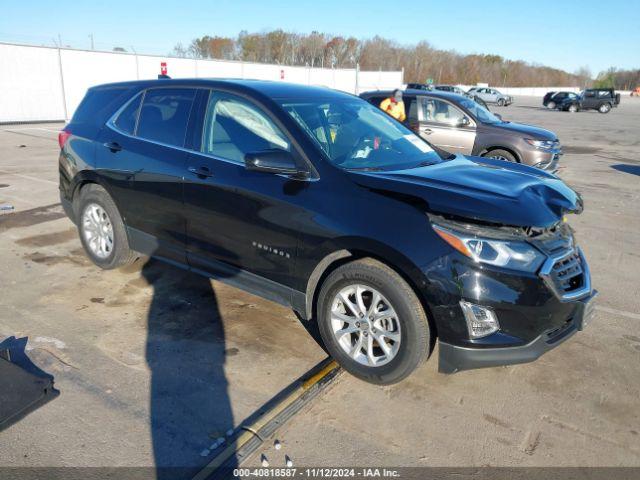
x=44 y=83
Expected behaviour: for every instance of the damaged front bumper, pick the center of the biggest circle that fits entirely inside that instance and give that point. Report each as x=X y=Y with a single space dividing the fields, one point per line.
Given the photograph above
x=453 y=358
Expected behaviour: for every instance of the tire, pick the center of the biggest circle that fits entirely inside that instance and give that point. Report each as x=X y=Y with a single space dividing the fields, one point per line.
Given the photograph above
x=501 y=102
x=501 y=155
x=604 y=108
x=551 y=105
x=408 y=323
x=96 y=212
x=572 y=108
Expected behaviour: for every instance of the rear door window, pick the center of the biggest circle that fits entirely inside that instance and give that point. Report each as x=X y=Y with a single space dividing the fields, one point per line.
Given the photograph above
x=234 y=127
x=438 y=111
x=165 y=114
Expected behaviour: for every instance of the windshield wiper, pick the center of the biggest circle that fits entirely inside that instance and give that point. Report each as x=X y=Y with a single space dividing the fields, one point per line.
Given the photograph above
x=365 y=169
x=427 y=163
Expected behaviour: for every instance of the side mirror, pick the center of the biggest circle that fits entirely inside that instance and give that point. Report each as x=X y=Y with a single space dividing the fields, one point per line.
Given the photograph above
x=464 y=122
x=273 y=161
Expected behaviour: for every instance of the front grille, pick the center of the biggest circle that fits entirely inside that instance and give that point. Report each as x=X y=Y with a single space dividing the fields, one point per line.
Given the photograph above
x=567 y=274
x=565 y=271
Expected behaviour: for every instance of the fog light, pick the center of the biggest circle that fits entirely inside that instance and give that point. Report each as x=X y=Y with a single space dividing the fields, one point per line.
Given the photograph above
x=481 y=321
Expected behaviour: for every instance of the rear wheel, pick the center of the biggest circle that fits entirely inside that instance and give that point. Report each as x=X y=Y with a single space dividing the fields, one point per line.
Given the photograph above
x=102 y=230
x=372 y=323
x=551 y=105
x=500 y=154
x=604 y=108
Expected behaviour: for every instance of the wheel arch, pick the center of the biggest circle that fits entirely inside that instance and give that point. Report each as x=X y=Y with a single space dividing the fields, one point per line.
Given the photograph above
x=395 y=260
x=512 y=151
x=80 y=181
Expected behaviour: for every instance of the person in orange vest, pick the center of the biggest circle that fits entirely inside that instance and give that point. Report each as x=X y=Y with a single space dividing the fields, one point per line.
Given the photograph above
x=394 y=106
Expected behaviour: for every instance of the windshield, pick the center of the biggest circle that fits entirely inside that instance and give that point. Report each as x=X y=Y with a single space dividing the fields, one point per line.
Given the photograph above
x=355 y=135
x=478 y=111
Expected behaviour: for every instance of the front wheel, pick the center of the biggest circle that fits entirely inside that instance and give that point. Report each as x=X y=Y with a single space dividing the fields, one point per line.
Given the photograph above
x=501 y=102
x=604 y=108
x=573 y=108
x=500 y=154
x=372 y=323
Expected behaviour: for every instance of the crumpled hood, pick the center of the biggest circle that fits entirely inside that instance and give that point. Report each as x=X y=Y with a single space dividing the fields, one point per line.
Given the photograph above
x=536 y=133
x=482 y=189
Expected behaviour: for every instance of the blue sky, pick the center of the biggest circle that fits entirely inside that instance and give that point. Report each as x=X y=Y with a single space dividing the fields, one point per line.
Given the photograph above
x=562 y=34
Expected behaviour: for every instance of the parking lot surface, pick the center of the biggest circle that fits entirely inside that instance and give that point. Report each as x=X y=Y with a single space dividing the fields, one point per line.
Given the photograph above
x=153 y=363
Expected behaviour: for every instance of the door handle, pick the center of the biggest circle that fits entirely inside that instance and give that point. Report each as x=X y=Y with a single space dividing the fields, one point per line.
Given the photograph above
x=201 y=171
x=427 y=131
x=113 y=146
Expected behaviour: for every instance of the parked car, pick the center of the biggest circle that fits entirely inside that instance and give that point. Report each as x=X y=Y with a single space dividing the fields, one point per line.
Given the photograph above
x=600 y=99
x=315 y=199
x=419 y=86
x=457 y=124
x=491 y=95
x=547 y=97
x=459 y=91
x=552 y=99
x=450 y=88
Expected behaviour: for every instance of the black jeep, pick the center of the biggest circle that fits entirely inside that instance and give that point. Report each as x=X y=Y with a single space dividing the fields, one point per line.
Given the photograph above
x=600 y=99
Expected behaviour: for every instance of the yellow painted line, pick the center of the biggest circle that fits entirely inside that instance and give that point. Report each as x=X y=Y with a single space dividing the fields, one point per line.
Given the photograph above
x=250 y=431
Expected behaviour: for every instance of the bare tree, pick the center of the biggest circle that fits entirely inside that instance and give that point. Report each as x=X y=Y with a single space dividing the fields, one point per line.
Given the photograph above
x=420 y=61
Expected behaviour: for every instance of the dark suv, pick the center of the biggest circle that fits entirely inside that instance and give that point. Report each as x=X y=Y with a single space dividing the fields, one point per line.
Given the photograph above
x=553 y=99
x=600 y=99
x=317 y=200
x=458 y=124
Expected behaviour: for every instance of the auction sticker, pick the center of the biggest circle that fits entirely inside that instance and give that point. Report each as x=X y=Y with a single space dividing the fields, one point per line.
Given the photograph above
x=418 y=142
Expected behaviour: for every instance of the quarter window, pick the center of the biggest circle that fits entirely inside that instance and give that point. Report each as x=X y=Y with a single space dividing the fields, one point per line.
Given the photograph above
x=164 y=115
x=234 y=127
x=126 y=121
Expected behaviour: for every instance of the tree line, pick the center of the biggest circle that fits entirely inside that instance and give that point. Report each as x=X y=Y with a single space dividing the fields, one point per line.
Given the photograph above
x=618 y=79
x=420 y=61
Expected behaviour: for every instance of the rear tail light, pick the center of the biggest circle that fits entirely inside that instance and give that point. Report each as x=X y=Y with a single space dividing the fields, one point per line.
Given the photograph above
x=63 y=136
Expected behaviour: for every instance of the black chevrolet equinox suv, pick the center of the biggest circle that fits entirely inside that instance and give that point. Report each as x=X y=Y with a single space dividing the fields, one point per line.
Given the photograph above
x=317 y=200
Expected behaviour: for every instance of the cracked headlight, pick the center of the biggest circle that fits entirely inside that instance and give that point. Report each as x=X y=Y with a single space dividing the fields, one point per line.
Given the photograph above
x=540 y=144
x=515 y=255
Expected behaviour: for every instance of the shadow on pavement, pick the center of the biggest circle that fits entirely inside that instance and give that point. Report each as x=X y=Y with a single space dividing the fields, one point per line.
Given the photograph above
x=623 y=167
x=185 y=351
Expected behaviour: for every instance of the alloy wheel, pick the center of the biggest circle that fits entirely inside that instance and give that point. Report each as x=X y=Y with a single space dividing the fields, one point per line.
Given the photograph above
x=97 y=230
x=365 y=325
